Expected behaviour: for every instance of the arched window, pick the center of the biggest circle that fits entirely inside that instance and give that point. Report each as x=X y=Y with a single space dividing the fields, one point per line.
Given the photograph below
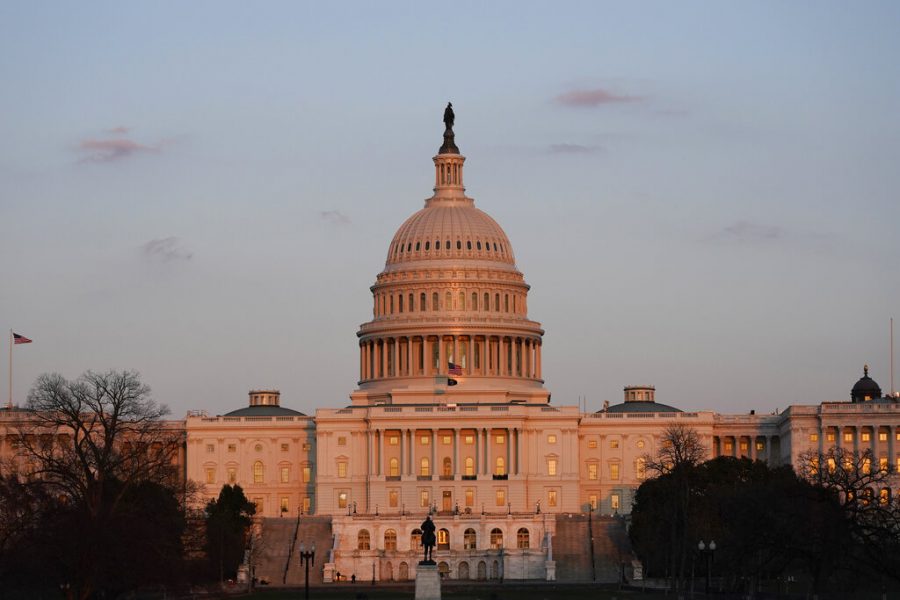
x=424 y=468
x=462 y=300
x=500 y=466
x=522 y=540
x=448 y=301
x=434 y=301
x=470 y=539
x=487 y=302
x=468 y=244
x=400 y=303
x=458 y=245
x=505 y=303
x=418 y=245
x=470 y=465
x=443 y=539
x=478 y=244
x=884 y=496
x=258 y=472
x=448 y=467
x=474 y=301
x=412 y=307
x=390 y=539
x=496 y=538
x=394 y=467
x=422 y=301
x=447 y=245
x=427 y=246
x=362 y=540
x=415 y=539
x=496 y=302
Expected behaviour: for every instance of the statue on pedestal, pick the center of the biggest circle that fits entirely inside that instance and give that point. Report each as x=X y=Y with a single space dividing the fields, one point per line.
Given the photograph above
x=428 y=540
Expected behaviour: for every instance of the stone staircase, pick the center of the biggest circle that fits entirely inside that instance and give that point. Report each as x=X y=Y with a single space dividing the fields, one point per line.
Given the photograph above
x=279 y=561
x=573 y=553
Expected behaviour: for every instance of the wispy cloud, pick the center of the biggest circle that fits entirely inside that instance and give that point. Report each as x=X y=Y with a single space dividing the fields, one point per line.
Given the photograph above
x=590 y=98
x=166 y=250
x=747 y=231
x=120 y=130
x=335 y=217
x=104 y=151
x=573 y=149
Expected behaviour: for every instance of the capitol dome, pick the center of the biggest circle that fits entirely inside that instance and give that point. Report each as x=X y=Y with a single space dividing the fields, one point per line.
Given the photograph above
x=450 y=306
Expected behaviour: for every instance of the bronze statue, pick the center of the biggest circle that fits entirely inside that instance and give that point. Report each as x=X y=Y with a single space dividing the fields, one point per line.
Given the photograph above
x=428 y=540
x=449 y=117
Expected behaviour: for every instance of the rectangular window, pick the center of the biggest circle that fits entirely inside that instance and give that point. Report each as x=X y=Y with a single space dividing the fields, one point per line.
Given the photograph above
x=592 y=500
x=882 y=436
x=614 y=502
x=592 y=444
x=500 y=439
x=306 y=504
x=210 y=476
x=500 y=497
x=729 y=447
x=285 y=447
x=592 y=471
x=469 y=440
x=232 y=447
x=760 y=446
x=342 y=499
x=814 y=437
x=446 y=440
x=307 y=473
x=307 y=447
x=393 y=498
x=284 y=504
x=614 y=443
x=285 y=474
x=551 y=466
x=394 y=440
x=424 y=498
x=866 y=436
x=883 y=463
x=210 y=448
x=551 y=497
x=848 y=436
x=342 y=441
x=232 y=475
x=342 y=469
x=614 y=471
x=425 y=440
x=898 y=436
x=260 y=505
x=829 y=436
x=470 y=497
x=744 y=446
x=551 y=439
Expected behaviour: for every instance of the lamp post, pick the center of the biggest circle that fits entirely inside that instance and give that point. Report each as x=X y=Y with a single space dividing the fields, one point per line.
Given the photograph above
x=306 y=559
x=708 y=552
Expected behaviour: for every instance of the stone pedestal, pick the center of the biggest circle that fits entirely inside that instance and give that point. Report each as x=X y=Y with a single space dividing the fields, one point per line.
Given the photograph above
x=551 y=570
x=428 y=582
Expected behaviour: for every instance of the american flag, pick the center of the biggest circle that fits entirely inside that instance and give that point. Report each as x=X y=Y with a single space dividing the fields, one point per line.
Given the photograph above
x=454 y=369
x=20 y=339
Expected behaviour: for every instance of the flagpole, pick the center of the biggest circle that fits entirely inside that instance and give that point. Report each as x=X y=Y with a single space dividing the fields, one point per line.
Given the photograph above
x=9 y=403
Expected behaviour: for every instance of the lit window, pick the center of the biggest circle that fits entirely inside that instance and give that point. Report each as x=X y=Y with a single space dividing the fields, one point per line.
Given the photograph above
x=232 y=475
x=470 y=466
x=592 y=499
x=425 y=440
x=500 y=439
x=522 y=538
x=640 y=467
x=424 y=468
x=470 y=497
x=258 y=502
x=829 y=436
x=884 y=497
x=614 y=443
x=614 y=471
x=551 y=498
x=883 y=464
x=210 y=448
x=393 y=498
x=284 y=504
x=592 y=471
x=285 y=447
x=898 y=464
x=744 y=446
x=832 y=465
x=306 y=505
x=446 y=440
x=496 y=538
x=866 y=436
x=443 y=539
x=307 y=473
x=342 y=441
x=500 y=466
x=882 y=436
x=469 y=439
x=307 y=447
x=342 y=468
x=394 y=467
x=232 y=447
x=814 y=437
x=500 y=497
x=394 y=440
x=342 y=500
x=729 y=447
x=551 y=439
x=551 y=466
x=867 y=466
x=760 y=446
x=848 y=436
x=390 y=540
x=592 y=443
x=285 y=474
x=363 y=540
x=258 y=472
x=470 y=539
x=210 y=475
x=614 y=501
x=424 y=498
x=447 y=469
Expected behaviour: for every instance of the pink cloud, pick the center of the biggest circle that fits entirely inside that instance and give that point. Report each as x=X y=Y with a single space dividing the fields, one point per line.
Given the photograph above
x=111 y=150
x=594 y=97
x=120 y=130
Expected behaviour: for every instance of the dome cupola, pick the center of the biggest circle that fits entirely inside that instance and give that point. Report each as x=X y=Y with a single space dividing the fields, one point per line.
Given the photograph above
x=865 y=389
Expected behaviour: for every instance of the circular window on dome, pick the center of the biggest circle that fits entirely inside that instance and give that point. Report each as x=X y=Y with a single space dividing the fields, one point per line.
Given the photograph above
x=427 y=246
x=478 y=245
x=468 y=244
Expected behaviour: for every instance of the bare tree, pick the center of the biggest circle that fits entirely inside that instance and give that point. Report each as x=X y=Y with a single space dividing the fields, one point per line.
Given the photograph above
x=91 y=443
x=680 y=445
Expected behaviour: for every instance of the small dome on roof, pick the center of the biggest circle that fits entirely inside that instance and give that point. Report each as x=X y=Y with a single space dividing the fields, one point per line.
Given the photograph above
x=865 y=389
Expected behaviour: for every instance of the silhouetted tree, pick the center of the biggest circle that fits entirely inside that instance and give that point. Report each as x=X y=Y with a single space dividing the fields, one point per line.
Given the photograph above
x=228 y=519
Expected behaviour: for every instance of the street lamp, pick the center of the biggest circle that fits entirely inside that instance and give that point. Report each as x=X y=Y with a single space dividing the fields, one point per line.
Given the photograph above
x=708 y=552
x=306 y=559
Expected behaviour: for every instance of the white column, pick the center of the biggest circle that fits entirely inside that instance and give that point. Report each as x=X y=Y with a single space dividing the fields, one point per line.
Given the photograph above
x=455 y=451
x=538 y=359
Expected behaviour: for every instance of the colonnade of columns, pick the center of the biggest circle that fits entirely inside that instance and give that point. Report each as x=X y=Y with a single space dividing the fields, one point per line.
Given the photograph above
x=730 y=445
x=487 y=355
x=857 y=442
x=484 y=463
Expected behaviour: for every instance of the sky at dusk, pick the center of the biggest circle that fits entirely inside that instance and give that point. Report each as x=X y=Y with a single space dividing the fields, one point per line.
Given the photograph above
x=703 y=196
